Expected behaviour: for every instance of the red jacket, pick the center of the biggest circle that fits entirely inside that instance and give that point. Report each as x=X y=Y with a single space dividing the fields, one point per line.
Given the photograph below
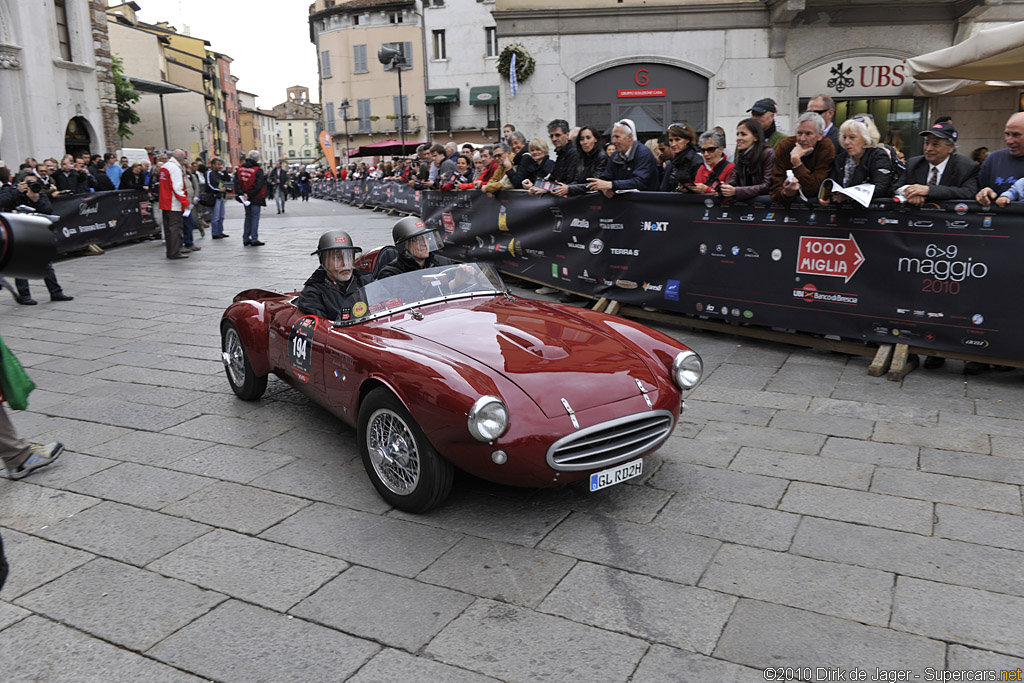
x=167 y=192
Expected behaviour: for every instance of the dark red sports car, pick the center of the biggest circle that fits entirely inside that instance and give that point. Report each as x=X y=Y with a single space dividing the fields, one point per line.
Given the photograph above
x=444 y=368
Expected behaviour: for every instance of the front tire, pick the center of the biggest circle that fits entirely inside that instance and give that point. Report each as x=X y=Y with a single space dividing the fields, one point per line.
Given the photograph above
x=402 y=464
x=244 y=382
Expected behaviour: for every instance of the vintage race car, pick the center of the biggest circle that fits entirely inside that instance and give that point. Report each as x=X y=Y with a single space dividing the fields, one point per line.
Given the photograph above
x=444 y=368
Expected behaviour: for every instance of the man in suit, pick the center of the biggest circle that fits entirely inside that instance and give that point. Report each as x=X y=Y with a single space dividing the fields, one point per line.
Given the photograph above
x=939 y=173
x=825 y=107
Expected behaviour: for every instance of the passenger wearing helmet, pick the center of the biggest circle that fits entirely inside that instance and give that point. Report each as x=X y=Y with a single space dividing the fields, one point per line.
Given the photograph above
x=331 y=290
x=416 y=245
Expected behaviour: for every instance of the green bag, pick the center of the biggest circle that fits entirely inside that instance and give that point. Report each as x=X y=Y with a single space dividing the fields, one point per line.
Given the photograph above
x=14 y=382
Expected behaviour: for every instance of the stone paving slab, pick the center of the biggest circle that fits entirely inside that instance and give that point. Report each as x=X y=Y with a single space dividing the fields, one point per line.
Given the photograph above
x=148 y=448
x=241 y=642
x=762 y=634
x=972 y=466
x=389 y=609
x=28 y=507
x=798 y=467
x=499 y=571
x=764 y=437
x=980 y=526
x=968 y=616
x=859 y=507
x=35 y=562
x=249 y=568
x=966 y=658
x=244 y=509
x=120 y=603
x=121 y=413
x=40 y=650
x=228 y=430
x=640 y=548
x=11 y=614
x=664 y=664
x=124 y=533
x=853 y=593
x=392 y=545
x=973 y=493
x=664 y=612
x=389 y=666
x=733 y=522
x=739 y=487
x=854 y=450
x=140 y=485
x=493 y=637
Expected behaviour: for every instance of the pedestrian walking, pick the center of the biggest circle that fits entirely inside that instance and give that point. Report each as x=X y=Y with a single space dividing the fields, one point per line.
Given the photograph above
x=174 y=200
x=278 y=181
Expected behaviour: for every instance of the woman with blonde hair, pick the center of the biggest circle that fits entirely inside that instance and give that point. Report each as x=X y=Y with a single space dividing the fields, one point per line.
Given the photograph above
x=534 y=166
x=861 y=160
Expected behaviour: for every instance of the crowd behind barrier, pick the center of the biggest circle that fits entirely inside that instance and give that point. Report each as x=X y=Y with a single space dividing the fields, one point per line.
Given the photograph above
x=941 y=276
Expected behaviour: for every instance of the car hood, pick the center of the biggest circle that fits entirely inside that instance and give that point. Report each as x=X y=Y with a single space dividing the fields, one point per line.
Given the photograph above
x=545 y=350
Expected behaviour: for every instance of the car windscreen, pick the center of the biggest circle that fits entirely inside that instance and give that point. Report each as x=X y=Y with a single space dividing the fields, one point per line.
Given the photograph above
x=418 y=287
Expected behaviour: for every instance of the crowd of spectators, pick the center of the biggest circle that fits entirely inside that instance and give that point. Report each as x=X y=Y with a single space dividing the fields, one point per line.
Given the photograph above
x=763 y=161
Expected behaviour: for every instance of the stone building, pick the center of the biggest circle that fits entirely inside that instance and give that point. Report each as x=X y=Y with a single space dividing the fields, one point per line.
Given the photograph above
x=298 y=122
x=258 y=129
x=708 y=62
x=56 y=79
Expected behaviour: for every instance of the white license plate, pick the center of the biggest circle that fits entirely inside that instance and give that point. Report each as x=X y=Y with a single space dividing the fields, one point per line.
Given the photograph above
x=616 y=475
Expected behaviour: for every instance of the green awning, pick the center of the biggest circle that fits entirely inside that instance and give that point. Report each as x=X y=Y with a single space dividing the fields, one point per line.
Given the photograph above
x=485 y=94
x=442 y=95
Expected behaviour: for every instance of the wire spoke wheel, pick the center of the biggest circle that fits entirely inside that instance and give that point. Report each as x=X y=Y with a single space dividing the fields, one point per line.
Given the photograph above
x=244 y=382
x=234 y=357
x=393 y=452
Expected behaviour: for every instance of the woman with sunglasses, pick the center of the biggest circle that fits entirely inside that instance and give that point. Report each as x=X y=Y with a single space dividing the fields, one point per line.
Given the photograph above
x=716 y=169
x=752 y=174
x=682 y=170
x=861 y=160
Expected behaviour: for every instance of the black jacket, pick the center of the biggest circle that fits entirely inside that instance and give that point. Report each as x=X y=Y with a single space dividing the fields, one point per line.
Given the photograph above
x=405 y=264
x=11 y=199
x=8 y=197
x=75 y=181
x=958 y=181
x=875 y=167
x=564 y=170
x=100 y=180
x=130 y=181
x=682 y=170
x=587 y=166
x=528 y=169
x=328 y=299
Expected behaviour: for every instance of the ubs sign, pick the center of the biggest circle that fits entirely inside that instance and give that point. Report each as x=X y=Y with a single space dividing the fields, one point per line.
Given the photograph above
x=858 y=77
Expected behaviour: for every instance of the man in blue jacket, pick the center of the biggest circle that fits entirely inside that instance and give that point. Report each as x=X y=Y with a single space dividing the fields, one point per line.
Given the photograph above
x=632 y=166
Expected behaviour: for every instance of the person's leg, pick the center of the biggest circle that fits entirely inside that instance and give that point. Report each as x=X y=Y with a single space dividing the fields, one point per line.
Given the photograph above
x=279 y=199
x=247 y=225
x=24 y=294
x=187 y=226
x=13 y=450
x=172 y=233
x=217 y=218
x=56 y=291
x=254 y=233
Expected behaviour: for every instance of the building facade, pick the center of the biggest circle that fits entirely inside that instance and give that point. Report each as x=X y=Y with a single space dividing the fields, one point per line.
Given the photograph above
x=708 y=63
x=360 y=96
x=461 y=45
x=298 y=122
x=56 y=79
x=258 y=128
x=229 y=95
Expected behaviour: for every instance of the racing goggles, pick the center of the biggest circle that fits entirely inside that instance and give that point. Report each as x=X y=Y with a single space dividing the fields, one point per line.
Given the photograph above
x=432 y=239
x=338 y=259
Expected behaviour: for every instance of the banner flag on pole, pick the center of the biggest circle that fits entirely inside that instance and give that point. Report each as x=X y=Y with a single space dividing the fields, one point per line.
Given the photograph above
x=512 y=75
x=327 y=145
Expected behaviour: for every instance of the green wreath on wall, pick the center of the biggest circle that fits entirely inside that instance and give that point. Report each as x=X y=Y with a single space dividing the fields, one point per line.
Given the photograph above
x=524 y=62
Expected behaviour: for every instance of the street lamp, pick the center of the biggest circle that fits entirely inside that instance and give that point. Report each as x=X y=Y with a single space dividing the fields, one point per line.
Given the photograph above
x=390 y=56
x=202 y=146
x=343 y=108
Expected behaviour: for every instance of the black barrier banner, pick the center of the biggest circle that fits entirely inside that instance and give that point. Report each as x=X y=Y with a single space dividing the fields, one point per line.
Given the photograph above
x=943 y=277
x=388 y=194
x=102 y=218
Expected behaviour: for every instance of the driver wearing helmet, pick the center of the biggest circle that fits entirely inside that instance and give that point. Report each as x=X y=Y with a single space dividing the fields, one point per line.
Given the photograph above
x=331 y=290
x=416 y=244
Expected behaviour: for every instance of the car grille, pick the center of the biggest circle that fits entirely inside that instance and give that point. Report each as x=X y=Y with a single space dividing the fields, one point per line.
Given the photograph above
x=610 y=442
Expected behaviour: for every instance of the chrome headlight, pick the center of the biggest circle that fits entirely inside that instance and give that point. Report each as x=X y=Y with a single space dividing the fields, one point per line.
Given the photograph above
x=488 y=418
x=687 y=368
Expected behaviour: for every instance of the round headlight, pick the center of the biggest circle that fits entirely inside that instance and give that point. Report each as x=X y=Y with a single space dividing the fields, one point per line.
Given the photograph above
x=687 y=368
x=488 y=418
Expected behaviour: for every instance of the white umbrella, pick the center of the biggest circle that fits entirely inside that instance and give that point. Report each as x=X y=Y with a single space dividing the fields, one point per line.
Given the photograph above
x=995 y=54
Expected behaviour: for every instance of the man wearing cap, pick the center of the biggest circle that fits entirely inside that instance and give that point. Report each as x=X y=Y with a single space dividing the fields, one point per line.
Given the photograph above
x=331 y=290
x=764 y=112
x=939 y=173
x=632 y=166
x=416 y=244
x=1003 y=167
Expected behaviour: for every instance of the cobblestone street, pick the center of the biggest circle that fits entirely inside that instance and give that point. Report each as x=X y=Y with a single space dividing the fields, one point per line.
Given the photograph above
x=803 y=514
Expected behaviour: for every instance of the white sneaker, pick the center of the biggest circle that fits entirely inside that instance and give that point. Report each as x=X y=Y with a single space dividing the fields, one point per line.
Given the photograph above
x=41 y=456
x=545 y=290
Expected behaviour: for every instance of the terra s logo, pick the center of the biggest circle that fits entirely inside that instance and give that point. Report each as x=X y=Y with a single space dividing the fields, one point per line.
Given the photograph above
x=654 y=226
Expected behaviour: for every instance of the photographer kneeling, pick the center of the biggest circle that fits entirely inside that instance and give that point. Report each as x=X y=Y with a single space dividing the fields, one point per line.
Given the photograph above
x=28 y=191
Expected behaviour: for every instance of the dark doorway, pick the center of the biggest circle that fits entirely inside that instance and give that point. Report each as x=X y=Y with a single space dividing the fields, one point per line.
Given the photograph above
x=77 y=139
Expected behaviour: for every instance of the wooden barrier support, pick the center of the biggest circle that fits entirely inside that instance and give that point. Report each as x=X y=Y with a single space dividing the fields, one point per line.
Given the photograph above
x=880 y=365
x=902 y=362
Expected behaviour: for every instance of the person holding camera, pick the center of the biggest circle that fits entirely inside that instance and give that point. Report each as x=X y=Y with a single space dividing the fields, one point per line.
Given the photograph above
x=29 y=192
x=70 y=180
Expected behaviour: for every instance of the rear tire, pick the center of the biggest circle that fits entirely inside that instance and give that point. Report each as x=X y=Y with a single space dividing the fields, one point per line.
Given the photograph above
x=403 y=466
x=244 y=382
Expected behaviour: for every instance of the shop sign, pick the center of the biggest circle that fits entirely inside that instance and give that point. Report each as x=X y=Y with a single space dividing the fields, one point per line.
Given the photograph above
x=858 y=77
x=642 y=78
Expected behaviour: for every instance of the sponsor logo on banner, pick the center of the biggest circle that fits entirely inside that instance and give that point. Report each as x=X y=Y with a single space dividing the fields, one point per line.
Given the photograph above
x=648 y=287
x=579 y=223
x=624 y=252
x=654 y=226
x=596 y=246
x=810 y=293
x=975 y=343
x=610 y=224
x=625 y=284
x=735 y=250
x=957 y=225
x=586 y=277
x=977 y=318
x=672 y=290
x=703 y=249
x=829 y=256
x=960 y=209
